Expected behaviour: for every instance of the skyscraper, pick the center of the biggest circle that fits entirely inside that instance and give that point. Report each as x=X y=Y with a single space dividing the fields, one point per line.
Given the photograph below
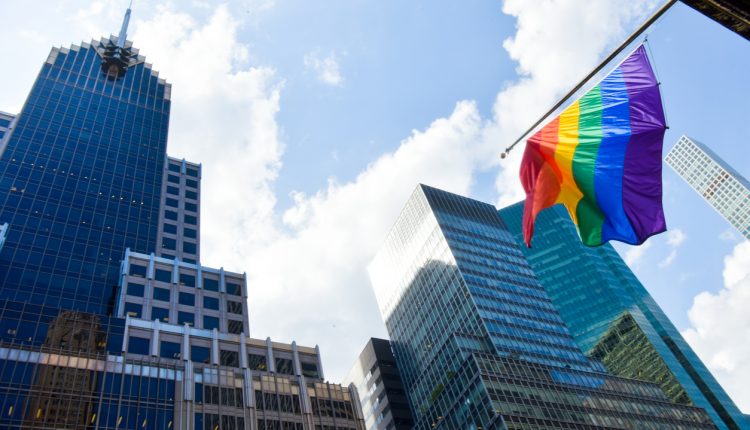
x=716 y=181
x=613 y=318
x=379 y=385
x=107 y=318
x=477 y=340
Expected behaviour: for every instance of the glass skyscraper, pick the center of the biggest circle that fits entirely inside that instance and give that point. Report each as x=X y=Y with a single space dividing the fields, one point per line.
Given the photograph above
x=613 y=318
x=716 y=181
x=479 y=343
x=107 y=318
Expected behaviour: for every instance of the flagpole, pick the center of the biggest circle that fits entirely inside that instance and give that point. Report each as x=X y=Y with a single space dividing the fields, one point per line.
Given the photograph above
x=596 y=70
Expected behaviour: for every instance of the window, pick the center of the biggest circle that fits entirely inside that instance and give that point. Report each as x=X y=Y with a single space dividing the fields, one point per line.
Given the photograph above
x=234 y=326
x=256 y=362
x=210 y=284
x=187 y=299
x=167 y=243
x=185 y=318
x=137 y=270
x=171 y=215
x=173 y=179
x=192 y=172
x=189 y=248
x=175 y=168
x=191 y=195
x=187 y=280
x=229 y=358
x=161 y=294
x=160 y=314
x=200 y=354
x=163 y=275
x=190 y=219
x=234 y=307
x=170 y=350
x=210 y=323
x=211 y=303
x=284 y=366
x=310 y=370
x=173 y=191
x=138 y=345
x=135 y=289
x=170 y=228
x=234 y=289
x=192 y=207
x=172 y=203
x=192 y=183
x=133 y=309
x=190 y=233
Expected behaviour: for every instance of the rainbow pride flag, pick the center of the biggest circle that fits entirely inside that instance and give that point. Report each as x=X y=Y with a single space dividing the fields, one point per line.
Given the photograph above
x=601 y=158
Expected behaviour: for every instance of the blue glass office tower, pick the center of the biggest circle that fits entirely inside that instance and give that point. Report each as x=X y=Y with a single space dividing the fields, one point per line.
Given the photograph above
x=478 y=342
x=613 y=318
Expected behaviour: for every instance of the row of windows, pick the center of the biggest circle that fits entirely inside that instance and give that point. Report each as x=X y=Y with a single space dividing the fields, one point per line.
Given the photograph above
x=135 y=310
x=193 y=195
x=190 y=233
x=177 y=168
x=187 y=219
x=188 y=182
x=175 y=203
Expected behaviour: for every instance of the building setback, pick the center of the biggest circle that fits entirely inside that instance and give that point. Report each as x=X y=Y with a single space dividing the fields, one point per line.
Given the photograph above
x=613 y=318
x=379 y=385
x=716 y=181
x=477 y=340
x=107 y=318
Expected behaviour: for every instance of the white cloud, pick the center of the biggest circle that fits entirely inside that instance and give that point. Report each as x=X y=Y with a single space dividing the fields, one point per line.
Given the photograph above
x=675 y=239
x=720 y=332
x=634 y=254
x=326 y=68
x=729 y=235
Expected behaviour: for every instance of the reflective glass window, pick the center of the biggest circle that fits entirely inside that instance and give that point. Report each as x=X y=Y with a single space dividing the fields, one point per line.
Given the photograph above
x=173 y=191
x=187 y=299
x=234 y=289
x=190 y=233
x=192 y=172
x=138 y=345
x=210 y=323
x=174 y=168
x=234 y=307
x=170 y=228
x=135 y=289
x=172 y=203
x=257 y=362
x=189 y=248
x=211 y=303
x=160 y=314
x=137 y=270
x=234 y=326
x=191 y=183
x=310 y=369
x=168 y=243
x=190 y=219
x=229 y=358
x=187 y=280
x=211 y=284
x=284 y=366
x=200 y=354
x=161 y=294
x=191 y=195
x=133 y=309
x=170 y=215
x=192 y=207
x=173 y=179
x=185 y=318
x=162 y=275
x=170 y=349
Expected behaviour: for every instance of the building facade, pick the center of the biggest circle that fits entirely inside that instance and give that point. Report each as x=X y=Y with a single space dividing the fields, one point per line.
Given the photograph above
x=716 y=181
x=379 y=385
x=477 y=340
x=107 y=318
x=6 y=121
x=613 y=318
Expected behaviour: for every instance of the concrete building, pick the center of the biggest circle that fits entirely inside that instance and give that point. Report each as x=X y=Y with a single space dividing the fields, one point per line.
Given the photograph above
x=714 y=179
x=381 y=391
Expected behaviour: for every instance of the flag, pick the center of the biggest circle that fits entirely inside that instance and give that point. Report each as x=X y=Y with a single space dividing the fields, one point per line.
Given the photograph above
x=601 y=158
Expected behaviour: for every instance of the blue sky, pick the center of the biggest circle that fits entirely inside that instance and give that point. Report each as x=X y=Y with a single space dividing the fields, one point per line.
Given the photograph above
x=315 y=120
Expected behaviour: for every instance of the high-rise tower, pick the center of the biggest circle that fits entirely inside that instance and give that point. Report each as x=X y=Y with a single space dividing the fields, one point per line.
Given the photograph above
x=613 y=318
x=477 y=340
x=716 y=181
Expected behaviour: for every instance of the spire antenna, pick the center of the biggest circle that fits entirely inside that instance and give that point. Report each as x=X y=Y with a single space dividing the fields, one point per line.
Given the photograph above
x=124 y=29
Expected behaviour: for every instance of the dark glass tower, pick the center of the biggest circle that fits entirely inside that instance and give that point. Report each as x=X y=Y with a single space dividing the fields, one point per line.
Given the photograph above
x=81 y=174
x=479 y=343
x=613 y=318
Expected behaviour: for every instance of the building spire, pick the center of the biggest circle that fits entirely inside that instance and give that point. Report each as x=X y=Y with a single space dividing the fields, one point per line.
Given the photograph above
x=124 y=29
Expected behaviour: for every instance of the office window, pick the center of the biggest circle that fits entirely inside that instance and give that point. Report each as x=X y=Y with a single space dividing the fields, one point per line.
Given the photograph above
x=192 y=172
x=189 y=248
x=234 y=326
x=210 y=284
x=185 y=318
x=172 y=203
x=170 y=215
x=229 y=358
x=210 y=323
x=161 y=294
x=256 y=362
x=211 y=303
x=173 y=191
x=138 y=345
x=170 y=349
x=190 y=219
x=192 y=207
x=192 y=183
x=170 y=228
x=160 y=314
x=162 y=275
x=190 y=233
x=187 y=280
x=138 y=270
x=167 y=243
x=173 y=179
x=284 y=366
x=191 y=195
x=234 y=289
x=175 y=167
x=234 y=307
x=133 y=309
x=135 y=289
x=310 y=370
x=200 y=354
x=187 y=299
